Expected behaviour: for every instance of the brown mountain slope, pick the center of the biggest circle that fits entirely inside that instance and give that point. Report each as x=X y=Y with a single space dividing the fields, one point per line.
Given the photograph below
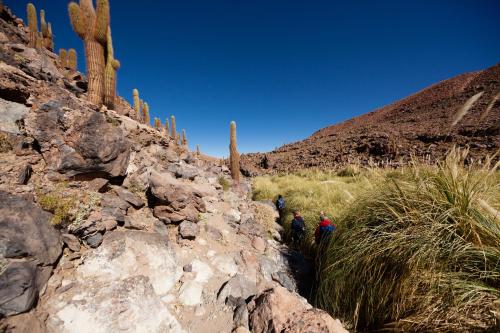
x=419 y=125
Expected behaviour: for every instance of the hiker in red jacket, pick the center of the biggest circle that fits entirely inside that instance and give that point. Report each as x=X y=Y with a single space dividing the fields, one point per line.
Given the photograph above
x=324 y=229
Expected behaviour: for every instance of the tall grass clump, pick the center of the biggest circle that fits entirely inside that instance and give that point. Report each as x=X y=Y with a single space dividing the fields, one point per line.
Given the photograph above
x=418 y=252
x=312 y=191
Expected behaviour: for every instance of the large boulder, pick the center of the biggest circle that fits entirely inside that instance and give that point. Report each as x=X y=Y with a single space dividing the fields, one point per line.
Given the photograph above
x=29 y=247
x=278 y=310
x=174 y=201
x=118 y=287
x=78 y=141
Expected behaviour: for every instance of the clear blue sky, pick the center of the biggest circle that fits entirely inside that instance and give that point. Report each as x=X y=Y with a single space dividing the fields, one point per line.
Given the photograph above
x=284 y=69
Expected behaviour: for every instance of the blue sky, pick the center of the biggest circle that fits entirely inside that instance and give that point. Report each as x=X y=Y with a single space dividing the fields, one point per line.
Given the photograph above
x=283 y=69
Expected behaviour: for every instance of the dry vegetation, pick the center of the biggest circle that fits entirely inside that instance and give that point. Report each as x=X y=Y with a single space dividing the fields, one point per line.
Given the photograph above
x=416 y=249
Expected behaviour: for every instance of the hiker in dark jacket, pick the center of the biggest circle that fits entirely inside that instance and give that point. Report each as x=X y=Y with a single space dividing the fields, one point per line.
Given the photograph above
x=298 y=228
x=324 y=229
x=280 y=206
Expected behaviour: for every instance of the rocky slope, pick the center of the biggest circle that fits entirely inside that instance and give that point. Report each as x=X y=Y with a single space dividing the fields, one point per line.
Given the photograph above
x=106 y=225
x=425 y=125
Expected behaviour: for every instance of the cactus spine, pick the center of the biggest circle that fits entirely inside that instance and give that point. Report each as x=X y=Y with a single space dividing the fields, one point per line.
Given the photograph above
x=173 y=132
x=91 y=25
x=112 y=65
x=234 y=156
x=72 y=62
x=32 y=24
x=184 y=138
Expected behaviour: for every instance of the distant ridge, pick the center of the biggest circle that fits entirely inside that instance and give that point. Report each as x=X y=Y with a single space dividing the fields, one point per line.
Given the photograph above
x=420 y=125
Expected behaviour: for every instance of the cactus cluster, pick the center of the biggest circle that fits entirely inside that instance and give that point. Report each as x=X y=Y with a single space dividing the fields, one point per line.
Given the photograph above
x=91 y=25
x=43 y=38
x=234 y=156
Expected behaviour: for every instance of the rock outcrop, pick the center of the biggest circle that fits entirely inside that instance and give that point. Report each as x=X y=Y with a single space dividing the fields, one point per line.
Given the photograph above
x=29 y=247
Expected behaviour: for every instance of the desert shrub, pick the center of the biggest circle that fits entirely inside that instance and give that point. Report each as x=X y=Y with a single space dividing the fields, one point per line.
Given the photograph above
x=264 y=215
x=5 y=145
x=350 y=170
x=418 y=252
x=58 y=205
x=226 y=185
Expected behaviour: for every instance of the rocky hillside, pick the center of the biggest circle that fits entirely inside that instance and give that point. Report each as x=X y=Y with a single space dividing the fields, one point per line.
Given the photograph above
x=426 y=125
x=108 y=225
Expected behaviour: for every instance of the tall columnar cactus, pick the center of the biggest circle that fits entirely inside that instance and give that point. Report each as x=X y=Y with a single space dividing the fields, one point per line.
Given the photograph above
x=178 y=139
x=184 y=138
x=112 y=65
x=167 y=128
x=39 y=40
x=173 y=130
x=234 y=156
x=63 y=58
x=141 y=107
x=32 y=24
x=137 y=105
x=198 y=150
x=157 y=124
x=72 y=59
x=145 y=111
x=46 y=31
x=50 y=39
x=91 y=25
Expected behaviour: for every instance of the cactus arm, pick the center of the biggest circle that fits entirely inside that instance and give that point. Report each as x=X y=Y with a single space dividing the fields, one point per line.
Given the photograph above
x=77 y=19
x=102 y=21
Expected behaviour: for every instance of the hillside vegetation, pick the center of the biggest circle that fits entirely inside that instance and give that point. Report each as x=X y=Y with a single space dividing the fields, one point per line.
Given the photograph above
x=417 y=248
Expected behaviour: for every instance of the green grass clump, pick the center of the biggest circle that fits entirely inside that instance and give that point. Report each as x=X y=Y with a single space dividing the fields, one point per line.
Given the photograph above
x=60 y=206
x=312 y=191
x=418 y=252
x=226 y=185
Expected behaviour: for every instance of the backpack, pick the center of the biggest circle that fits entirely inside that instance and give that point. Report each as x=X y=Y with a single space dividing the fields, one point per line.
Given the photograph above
x=326 y=230
x=281 y=204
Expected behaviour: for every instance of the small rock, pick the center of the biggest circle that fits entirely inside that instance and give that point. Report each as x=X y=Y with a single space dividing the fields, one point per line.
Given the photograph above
x=187 y=268
x=199 y=311
x=213 y=232
x=110 y=224
x=188 y=230
x=94 y=241
x=73 y=256
x=71 y=241
x=129 y=197
x=259 y=244
x=202 y=270
x=98 y=184
x=241 y=329
x=237 y=286
x=225 y=264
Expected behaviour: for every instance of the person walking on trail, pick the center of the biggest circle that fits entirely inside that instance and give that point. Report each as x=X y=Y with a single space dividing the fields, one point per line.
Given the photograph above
x=280 y=206
x=324 y=229
x=298 y=228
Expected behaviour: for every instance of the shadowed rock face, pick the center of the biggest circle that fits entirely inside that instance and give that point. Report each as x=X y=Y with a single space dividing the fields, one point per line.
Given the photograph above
x=29 y=246
x=78 y=141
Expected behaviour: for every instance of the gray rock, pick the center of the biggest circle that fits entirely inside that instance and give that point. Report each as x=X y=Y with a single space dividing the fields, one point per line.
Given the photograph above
x=187 y=268
x=129 y=197
x=189 y=230
x=213 y=232
x=78 y=141
x=29 y=246
x=18 y=289
x=113 y=213
x=10 y=116
x=24 y=175
x=237 y=286
x=94 y=240
x=112 y=201
x=71 y=241
x=240 y=316
x=183 y=171
x=284 y=279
